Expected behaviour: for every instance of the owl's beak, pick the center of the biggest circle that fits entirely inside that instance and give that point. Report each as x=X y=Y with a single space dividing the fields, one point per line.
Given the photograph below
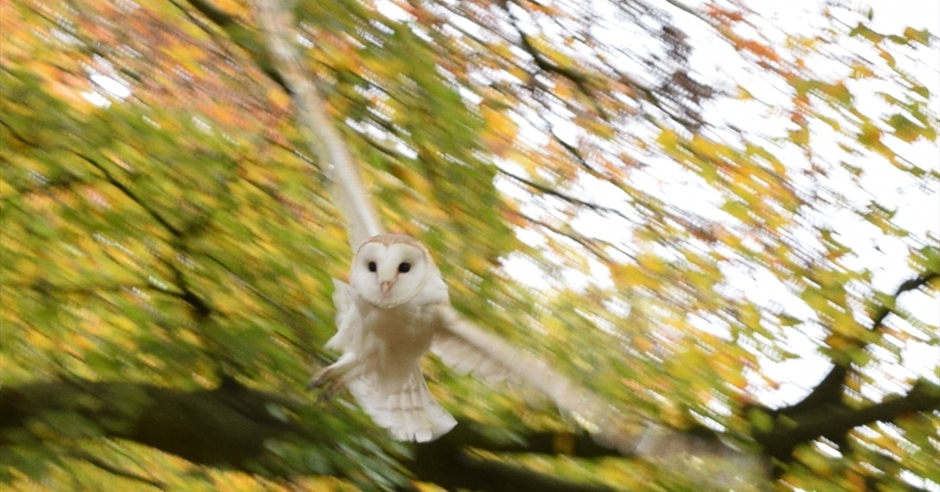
x=385 y=286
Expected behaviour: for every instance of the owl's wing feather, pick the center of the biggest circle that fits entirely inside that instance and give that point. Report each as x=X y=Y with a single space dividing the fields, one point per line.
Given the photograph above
x=405 y=407
x=469 y=349
x=349 y=194
x=467 y=358
x=343 y=295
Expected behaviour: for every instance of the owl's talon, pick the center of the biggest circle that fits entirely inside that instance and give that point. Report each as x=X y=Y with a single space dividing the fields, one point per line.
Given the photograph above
x=316 y=382
x=330 y=390
x=330 y=379
x=321 y=378
x=326 y=395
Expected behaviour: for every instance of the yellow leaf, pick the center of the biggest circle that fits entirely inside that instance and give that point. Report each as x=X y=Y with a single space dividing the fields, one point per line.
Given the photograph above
x=501 y=131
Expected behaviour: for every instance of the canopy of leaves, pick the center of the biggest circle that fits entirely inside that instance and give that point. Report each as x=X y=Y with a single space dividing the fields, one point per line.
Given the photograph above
x=676 y=232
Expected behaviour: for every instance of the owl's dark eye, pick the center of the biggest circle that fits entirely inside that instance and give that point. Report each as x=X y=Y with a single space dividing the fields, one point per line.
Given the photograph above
x=372 y=266
x=404 y=267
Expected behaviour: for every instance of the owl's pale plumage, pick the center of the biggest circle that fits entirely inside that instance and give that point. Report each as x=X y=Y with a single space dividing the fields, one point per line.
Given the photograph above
x=394 y=309
x=386 y=317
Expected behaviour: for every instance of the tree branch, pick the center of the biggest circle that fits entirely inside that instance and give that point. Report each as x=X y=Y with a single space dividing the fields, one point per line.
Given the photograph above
x=547 y=190
x=117 y=471
x=245 y=38
x=829 y=390
x=44 y=287
x=229 y=427
x=453 y=468
x=834 y=421
x=469 y=434
x=579 y=79
x=586 y=243
x=173 y=230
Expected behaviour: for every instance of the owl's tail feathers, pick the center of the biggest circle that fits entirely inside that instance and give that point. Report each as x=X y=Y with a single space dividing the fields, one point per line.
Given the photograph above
x=405 y=406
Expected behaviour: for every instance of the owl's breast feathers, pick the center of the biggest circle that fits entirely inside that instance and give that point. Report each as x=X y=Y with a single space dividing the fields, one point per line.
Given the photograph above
x=384 y=346
x=398 y=334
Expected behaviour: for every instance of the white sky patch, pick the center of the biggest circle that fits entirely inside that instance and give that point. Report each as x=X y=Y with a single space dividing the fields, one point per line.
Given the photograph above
x=202 y=125
x=97 y=99
x=111 y=86
x=393 y=11
x=107 y=87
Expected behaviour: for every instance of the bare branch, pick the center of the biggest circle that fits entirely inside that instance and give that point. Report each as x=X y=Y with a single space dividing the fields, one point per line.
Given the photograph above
x=568 y=198
x=577 y=238
x=173 y=230
x=689 y=10
x=115 y=470
x=829 y=390
x=834 y=421
x=581 y=80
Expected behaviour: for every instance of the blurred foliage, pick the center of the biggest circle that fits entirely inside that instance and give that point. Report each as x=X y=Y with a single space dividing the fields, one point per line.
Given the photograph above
x=586 y=196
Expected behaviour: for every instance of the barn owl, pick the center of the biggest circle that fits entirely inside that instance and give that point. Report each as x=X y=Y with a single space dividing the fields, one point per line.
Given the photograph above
x=386 y=318
x=394 y=309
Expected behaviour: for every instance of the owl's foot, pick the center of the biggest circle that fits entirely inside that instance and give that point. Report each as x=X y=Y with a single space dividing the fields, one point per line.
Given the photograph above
x=319 y=379
x=333 y=377
x=331 y=386
x=329 y=392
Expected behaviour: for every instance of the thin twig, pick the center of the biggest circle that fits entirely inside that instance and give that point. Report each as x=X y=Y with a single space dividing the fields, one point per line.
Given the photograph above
x=117 y=471
x=130 y=194
x=564 y=196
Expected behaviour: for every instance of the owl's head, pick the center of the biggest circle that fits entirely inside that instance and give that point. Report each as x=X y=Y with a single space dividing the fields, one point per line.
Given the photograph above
x=391 y=269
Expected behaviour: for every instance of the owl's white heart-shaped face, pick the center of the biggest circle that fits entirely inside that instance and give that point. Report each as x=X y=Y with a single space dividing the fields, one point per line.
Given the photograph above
x=390 y=270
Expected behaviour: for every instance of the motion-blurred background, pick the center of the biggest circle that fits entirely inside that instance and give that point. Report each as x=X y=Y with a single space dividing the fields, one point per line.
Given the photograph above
x=721 y=215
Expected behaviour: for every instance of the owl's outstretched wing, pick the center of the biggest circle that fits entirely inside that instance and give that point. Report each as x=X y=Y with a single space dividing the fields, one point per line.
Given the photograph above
x=469 y=358
x=471 y=350
x=349 y=194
